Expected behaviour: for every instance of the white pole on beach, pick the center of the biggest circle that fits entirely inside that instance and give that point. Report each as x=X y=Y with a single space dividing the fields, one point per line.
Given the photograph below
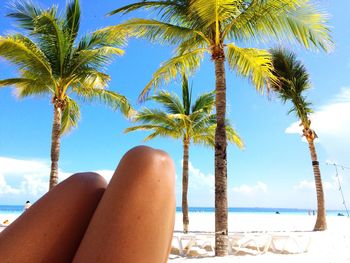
x=340 y=188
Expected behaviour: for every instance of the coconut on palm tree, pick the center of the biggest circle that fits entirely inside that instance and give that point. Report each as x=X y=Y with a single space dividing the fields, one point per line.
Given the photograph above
x=183 y=120
x=219 y=28
x=294 y=81
x=53 y=61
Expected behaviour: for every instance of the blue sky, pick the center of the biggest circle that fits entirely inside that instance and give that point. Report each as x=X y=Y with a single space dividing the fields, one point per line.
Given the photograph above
x=274 y=169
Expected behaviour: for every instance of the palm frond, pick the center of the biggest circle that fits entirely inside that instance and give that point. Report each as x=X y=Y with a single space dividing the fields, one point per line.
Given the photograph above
x=233 y=137
x=72 y=21
x=156 y=5
x=186 y=63
x=70 y=116
x=162 y=132
x=253 y=63
x=156 y=117
x=213 y=13
x=25 y=54
x=15 y=81
x=206 y=136
x=201 y=120
x=54 y=42
x=89 y=78
x=24 y=13
x=282 y=19
x=26 y=86
x=205 y=139
x=158 y=130
x=110 y=98
x=92 y=58
x=294 y=80
x=155 y=31
x=170 y=102
x=204 y=102
x=198 y=41
x=107 y=36
x=186 y=95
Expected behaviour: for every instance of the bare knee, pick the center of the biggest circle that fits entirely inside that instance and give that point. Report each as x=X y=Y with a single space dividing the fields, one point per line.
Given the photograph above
x=86 y=181
x=145 y=163
x=149 y=154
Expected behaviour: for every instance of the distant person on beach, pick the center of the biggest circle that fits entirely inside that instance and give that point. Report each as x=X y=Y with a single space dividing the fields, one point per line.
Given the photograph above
x=27 y=205
x=83 y=220
x=6 y=222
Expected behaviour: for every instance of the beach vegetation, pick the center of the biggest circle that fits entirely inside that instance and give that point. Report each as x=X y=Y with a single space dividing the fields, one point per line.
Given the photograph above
x=182 y=119
x=52 y=61
x=294 y=81
x=224 y=29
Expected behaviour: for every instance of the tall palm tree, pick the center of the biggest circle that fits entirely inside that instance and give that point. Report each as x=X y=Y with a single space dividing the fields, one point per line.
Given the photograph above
x=182 y=120
x=294 y=81
x=52 y=61
x=218 y=27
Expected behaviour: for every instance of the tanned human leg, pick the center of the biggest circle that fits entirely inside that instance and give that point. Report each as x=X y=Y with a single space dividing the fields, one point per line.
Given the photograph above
x=52 y=228
x=134 y=220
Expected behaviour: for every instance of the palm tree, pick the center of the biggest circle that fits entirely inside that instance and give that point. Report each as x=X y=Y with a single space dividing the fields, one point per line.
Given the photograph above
x=52 y=61
x=197 y=27
x=182 y=120
x=294 y=81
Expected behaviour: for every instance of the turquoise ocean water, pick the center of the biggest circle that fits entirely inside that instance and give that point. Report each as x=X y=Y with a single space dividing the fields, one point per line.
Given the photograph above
x=15 y=210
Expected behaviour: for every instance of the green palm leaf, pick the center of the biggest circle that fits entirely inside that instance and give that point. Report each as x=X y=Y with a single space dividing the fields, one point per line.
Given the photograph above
x=187 y=62
x=253 y=63
x=21 y=51
x=213 y=23
x=145 y=4
x=70 y=116
x=213 y=12
x=294 y=80
x=289 y=19
x=155 y=31
x=72 y=21
x=54 y=41
x=26 y=86
x=52 y=61
x=196 y=124
x=171 y=102
x=24 y=13
x=204 y=102
x=110 y=98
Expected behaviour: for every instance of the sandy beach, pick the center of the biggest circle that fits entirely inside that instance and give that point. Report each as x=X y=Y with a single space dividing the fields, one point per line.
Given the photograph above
x=332 y=245
x=329 y=246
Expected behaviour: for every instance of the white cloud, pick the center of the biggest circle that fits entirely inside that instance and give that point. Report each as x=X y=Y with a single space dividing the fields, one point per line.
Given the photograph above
x=5 y=188
x=250 y=189
x=29 y=178
x=332 y=124
x=198 y=179
x=310 y=184
x=332 y=119
x=23 y=176
x=200 y=187
x=305 y=184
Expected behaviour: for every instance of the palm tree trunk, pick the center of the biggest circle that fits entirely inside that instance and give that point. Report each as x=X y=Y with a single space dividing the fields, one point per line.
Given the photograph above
x=185 y=218
x=55 y=145
x=221 y=213
x=321 y=223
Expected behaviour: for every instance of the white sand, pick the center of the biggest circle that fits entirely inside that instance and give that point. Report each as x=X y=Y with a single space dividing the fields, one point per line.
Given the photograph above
x=328 y=246
x=332 y=245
